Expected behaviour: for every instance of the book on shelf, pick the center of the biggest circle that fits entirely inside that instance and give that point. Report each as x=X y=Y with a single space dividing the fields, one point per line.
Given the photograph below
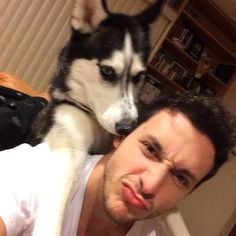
x=159 y=60
x=175 y=71
x=179 y=74
x=199 y=86
x=176 y=32
x=156 y=59
x=187 y=40
x=165 y=64
x=195 y=49
x=178 y=68
x=166 y=69
x=182 y=36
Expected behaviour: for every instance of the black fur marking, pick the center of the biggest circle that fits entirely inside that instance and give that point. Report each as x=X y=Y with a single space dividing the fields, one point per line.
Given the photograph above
x=100 y=44
x=108 y=37
x=42 y=124
x=151 y=13
x=104 y=4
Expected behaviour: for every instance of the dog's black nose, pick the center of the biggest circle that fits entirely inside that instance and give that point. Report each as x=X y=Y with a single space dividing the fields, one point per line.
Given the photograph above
x=125 y=126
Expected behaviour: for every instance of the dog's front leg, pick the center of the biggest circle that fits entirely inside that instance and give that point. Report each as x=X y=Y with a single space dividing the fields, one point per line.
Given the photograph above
x=69 y=145
x=57 y=191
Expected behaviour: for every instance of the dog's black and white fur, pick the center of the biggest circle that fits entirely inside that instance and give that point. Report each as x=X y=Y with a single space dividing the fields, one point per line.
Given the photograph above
x=93 y=96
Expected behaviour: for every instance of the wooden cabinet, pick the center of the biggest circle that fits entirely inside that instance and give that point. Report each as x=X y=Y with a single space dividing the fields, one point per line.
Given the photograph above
x=199 y=51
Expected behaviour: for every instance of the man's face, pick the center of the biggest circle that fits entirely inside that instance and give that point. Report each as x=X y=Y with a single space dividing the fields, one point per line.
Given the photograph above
x=155 y=166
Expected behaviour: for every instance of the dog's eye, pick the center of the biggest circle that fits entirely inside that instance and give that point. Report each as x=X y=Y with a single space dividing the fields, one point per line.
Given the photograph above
x=139 y=76
x=108 y=73
x=106 y=70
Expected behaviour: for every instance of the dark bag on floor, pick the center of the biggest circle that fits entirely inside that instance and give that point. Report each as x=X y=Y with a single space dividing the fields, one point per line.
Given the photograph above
x=17 y=112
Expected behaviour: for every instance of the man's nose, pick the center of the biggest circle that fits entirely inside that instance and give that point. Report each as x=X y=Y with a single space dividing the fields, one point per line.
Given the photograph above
x=153 y=179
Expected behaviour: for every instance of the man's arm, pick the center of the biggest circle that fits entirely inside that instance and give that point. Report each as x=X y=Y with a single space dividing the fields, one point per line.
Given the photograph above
x=3 y=230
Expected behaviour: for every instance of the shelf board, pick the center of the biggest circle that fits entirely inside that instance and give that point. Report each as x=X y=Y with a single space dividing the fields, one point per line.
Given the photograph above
x=216 y=80
x=210 y=40
x=180 y=53
x=217 y=18
x=158 y=75
x=190 y=62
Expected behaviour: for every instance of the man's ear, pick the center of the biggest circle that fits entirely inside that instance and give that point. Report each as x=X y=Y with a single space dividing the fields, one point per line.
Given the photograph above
x=88 y=14
x=117 y=141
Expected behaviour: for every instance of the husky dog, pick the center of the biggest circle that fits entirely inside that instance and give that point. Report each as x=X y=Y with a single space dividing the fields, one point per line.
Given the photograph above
x=93 y=96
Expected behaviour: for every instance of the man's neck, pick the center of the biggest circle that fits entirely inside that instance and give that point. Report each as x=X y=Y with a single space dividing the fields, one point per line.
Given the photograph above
x=93 y=218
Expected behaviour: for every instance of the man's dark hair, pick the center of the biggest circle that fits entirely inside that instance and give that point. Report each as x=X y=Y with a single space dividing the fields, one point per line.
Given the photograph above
x=207 y=114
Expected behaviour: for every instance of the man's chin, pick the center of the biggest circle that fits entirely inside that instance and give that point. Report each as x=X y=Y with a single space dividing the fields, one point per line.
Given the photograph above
x=119 y=215
x=122 y=215
x=121 y=219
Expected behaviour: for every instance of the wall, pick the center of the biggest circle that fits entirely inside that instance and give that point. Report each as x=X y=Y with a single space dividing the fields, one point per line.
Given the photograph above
x=228 y=6
x=211 y=209
x=34 y=31
x=230 y=98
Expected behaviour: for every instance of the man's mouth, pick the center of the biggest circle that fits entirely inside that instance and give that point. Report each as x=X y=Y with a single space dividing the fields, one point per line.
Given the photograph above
x=132 y=197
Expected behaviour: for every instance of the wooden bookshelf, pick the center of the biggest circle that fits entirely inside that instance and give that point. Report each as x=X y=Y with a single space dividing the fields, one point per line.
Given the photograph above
x=163 y=78
x=212 y=38
x=181 y=54
x=189 y=61
x=199 y=19
x=181 y=4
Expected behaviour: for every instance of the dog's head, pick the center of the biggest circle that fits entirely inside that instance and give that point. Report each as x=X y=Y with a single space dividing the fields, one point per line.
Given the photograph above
x=105 y=60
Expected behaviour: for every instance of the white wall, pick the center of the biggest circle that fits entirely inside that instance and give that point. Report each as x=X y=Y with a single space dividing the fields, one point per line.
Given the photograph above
x=230 y=98
x=208 y=210
x=211 y=209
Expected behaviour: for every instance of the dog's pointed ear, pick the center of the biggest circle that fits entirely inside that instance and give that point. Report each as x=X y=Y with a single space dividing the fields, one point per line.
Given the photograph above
x=151 y=13
x=88 y=14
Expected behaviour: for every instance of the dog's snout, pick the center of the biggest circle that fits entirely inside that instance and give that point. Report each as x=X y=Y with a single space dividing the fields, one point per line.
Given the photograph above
x=125 y=126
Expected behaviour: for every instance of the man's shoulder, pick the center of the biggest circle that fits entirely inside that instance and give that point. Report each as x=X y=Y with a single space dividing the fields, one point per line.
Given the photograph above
x=22 y=164
x=25 y=150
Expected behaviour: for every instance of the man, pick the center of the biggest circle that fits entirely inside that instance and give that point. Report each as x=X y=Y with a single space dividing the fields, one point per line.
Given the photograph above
x=179 y=143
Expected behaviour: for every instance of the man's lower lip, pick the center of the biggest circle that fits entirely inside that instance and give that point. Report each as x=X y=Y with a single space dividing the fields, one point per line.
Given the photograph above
x=130 y=197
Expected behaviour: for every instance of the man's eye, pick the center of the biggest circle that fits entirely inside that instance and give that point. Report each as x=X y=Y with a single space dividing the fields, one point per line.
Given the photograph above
x=150 y=149
x=180 y=178
x=107 y=73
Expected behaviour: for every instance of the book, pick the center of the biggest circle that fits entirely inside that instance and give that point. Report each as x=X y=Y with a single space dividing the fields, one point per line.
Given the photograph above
x=187 y=41
x=162 y=63
x=196 y=48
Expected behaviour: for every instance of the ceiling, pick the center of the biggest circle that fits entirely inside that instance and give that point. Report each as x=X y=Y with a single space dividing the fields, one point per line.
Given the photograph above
x=228 y=6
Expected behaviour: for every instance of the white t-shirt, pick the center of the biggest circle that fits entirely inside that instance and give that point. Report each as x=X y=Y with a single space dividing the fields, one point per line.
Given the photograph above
x=21 y=175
